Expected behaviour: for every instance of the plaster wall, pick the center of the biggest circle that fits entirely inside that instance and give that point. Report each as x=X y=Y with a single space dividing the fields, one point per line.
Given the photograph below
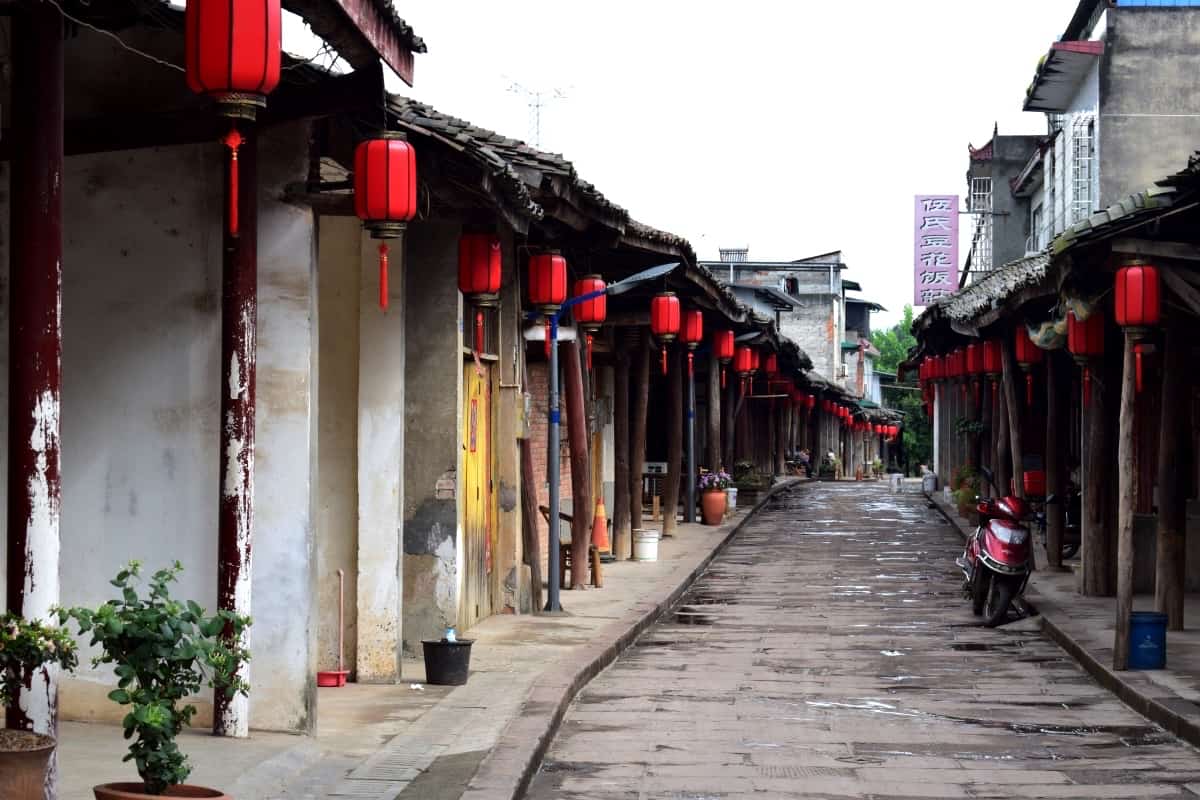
x=433 y=426
x=141 y=345
x=1149 y=98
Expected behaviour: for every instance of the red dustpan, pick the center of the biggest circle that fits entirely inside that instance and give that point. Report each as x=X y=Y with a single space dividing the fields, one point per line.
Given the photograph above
x=337 y=677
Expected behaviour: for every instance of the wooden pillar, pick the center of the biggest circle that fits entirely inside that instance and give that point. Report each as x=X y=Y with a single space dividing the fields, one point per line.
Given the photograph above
x=529 y=518
x=637 y=440
x=987 y=440
x=581 y=463
x=713 y=440
x=1126 y=467
x=780 y=420
x=674 y=475
x=1012 y=404
x=239 y=324
x=622 y=536
x=728 y=425
x=35 y=343
x=1057 y=414
x=1098 y=465
x=1003 y=463
x=1175 y=458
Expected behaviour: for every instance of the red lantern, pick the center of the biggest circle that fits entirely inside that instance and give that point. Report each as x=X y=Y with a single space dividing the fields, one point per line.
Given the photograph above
x=772 y=364
x=743 y=362
x=232 y=53
x=757 y=358
x=723 y=346
x=1138 y=297
x=692 y=335
x=975 y=359
x=664 y=321
x=1028 y=356
x=547 y=287
x=479 y=275
x=590 y=314
x=1085 y=340
x=993 y=363
x=385 y=192
x=811 y=402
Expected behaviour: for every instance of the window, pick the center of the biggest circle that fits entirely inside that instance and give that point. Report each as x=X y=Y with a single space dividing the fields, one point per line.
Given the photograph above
x=1037 y=237
x=792 y=286
x=981 y=242
x=1083 y=159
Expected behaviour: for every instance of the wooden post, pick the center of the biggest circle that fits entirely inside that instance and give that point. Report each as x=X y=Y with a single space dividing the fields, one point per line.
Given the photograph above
x=1175 y=458
x=529 y=517
x=1098 y=465
x=1126 y=467
x=714 y=414
x=1012 y=404
x=987 y=441
x=239 y=324
x=670 y=502
x=728 y=426
x=581 y=464
x=637 y=439
x=622 y=535
x=1056 y=416
x=780 y=437
x=35 y=345
x=1003 y=464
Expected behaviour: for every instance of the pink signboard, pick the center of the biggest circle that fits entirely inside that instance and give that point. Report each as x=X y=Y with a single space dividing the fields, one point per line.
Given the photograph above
x=936 y=245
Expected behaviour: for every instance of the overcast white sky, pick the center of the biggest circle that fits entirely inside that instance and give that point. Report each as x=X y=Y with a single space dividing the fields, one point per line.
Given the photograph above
x=792 y=127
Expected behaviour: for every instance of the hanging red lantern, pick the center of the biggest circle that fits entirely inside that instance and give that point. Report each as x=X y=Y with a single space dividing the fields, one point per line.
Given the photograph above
x=479 y=275
x=771 y=366
x=664 y=321
x=723 y=346
x=1138 y=297
x=1085 y=340
x=993 y=363
x=1028 y=356
x=975 y=358
x=692 y=335
x=743 y=364
x=590 y=314
x=385 y=192
x=547 y=287
x=232 y=53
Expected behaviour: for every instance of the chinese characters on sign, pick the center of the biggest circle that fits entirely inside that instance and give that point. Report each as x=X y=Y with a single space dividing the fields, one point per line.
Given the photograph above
x=936 y=239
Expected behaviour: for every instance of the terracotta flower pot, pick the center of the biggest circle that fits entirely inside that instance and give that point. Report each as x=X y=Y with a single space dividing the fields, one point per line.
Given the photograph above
x=712 y=507
x=24 y=759
x=137 y=791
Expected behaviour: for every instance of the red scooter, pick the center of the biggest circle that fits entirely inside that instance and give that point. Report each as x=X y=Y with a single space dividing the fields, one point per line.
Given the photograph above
x=998 y=558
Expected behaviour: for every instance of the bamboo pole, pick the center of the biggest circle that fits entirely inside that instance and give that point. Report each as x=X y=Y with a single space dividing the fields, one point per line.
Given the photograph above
x=622 y=529
x=1126 y=504
x=671 y=484
x=637 y=440
x=1174 y=466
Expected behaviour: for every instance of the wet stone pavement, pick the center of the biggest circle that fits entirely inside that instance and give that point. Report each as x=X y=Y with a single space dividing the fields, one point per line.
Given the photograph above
x=828 y=652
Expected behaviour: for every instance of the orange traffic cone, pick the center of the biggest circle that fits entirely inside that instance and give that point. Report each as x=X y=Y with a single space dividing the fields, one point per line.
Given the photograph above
x=600 y=527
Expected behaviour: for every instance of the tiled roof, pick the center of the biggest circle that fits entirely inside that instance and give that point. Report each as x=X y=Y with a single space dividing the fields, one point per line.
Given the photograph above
x=994 y=289
x=407 y=34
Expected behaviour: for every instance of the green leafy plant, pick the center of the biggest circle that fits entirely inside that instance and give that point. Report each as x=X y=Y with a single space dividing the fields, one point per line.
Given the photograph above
x=969 y=427
x=965 y=486
x=163 y=651
x=27 y=645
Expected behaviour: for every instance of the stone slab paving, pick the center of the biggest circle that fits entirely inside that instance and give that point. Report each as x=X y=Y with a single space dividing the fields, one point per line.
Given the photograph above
x=828 y=652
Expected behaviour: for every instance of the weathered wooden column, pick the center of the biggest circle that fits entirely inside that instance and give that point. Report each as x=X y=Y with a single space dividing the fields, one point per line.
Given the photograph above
x=1127 y=471
x=581 y=469
x=987 y=440
x=1097 y=466
x=780 y=439
x=637 y=439
x=239 y=325
x=728 y=425
x=35 y=343
x=670 y=500
x=714 y=414
x=1175 y=458
x=1056 y=414
x=689 y=425
x=1003 y=472
x=1012 y=405
x=622 y=536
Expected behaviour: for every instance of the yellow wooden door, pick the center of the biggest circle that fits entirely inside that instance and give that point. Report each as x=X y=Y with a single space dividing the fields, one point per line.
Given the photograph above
x=478 y=496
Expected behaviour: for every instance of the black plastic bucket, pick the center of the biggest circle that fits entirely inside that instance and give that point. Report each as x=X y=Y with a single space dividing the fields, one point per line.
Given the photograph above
x=447 y=663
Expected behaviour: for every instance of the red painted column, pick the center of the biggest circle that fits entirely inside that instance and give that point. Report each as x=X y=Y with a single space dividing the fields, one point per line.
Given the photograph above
x=35 y=331
x=239 y=321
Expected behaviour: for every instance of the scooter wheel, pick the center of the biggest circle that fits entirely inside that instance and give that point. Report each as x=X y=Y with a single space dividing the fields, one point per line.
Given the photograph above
x=998 y=600
x=979 y=590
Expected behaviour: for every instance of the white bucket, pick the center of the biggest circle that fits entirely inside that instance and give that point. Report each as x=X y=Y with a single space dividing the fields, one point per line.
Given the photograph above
x=645 y=545
x=731 y=500
x=895 y=481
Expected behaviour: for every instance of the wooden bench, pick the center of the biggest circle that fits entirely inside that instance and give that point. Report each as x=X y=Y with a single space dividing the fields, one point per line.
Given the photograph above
x=564 y=551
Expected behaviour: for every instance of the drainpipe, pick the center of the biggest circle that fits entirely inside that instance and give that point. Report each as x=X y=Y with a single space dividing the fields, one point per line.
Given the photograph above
x=35 y=355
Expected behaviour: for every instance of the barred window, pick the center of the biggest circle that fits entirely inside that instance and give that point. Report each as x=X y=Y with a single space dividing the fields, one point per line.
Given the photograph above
x=1083 y=158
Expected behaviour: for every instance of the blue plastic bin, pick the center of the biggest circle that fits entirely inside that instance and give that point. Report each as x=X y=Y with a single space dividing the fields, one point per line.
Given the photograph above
x=1147 y=640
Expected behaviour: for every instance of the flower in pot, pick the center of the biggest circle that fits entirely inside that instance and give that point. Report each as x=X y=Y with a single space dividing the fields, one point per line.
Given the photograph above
x=26 y=646
x=712 y=496
x=162 y=651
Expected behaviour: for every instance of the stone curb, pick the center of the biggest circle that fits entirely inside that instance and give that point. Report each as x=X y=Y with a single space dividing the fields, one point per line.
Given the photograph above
x=506 y=772
x=1186 y=727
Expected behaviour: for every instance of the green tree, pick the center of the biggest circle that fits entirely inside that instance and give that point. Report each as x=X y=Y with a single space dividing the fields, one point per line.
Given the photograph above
x=894 y=345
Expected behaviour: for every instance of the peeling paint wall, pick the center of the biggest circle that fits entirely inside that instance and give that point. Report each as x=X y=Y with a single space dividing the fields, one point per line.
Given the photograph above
x=141 y=345
x=339 y=254
x=433 y=424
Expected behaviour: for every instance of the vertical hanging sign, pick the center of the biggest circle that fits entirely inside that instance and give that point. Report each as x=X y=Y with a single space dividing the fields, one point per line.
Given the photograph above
x=936 y=246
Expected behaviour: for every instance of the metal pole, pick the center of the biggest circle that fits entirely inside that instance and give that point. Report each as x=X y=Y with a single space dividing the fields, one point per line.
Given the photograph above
x=689 y=513
x=552 y=474
x=239 y=324
x=35 y=355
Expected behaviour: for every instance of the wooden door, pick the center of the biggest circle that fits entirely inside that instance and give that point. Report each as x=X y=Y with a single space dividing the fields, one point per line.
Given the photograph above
x=478 y=495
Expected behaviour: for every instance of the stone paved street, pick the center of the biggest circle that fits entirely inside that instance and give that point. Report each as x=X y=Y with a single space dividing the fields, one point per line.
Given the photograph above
x=828 y=652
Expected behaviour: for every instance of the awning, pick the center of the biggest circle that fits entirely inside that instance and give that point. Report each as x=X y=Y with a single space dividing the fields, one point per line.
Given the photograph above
x=1059 y=74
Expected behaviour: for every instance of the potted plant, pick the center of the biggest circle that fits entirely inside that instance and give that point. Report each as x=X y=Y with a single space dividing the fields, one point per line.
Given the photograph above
x=26 y=646
x=162 y=651
x=830 y=466
x=712 y=496
x=877 y=468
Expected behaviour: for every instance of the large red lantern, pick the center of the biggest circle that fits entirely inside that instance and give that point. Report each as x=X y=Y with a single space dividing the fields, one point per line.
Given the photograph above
x=547 y=287
x=664 y=321
x=743 y=364
x=993 y=363
x=723 y=346
x=1085 y=340
x=232 y=52
x=590 y=314
x=1028 y=356
x=385 y=192
x=975 y=358
x=479 y=275
x=1138 y=297
x=771 y=366
x=692 y=335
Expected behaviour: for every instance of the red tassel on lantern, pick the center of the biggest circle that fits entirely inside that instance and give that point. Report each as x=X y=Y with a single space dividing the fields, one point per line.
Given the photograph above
x=1087 y=387
x=547 y=329
x=233 y=140
x=478 y=331
x=383 y=276
x=1138 y=350
x=1029 y=390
